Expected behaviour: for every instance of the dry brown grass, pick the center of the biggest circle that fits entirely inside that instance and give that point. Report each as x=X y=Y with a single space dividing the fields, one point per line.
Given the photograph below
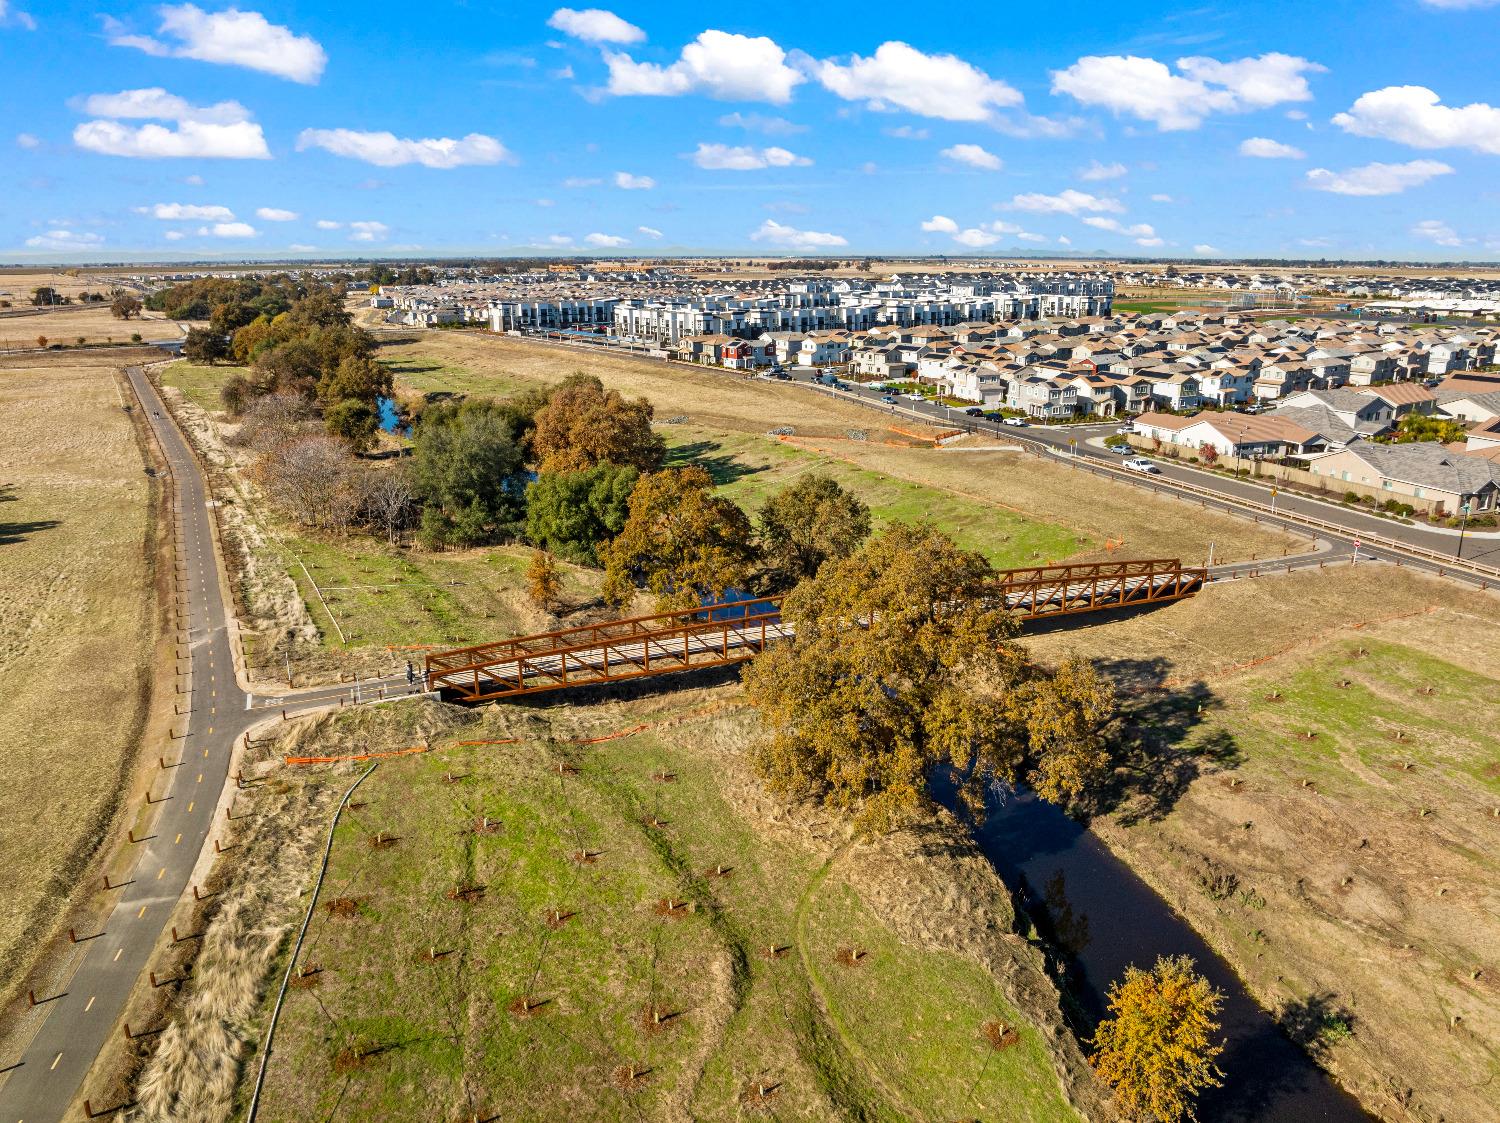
x=75 y=623
x=91 y=321
x=1147 y=525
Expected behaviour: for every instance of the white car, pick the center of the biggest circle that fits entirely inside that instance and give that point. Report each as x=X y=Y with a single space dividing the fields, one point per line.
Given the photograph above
x=1125 y=430
x=1140 y=464
x=1016 y=421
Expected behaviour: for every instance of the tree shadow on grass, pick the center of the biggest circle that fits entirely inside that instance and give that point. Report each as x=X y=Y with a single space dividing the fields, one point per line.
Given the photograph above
x=724 y=468
x=12 y=533
x=1159 y=749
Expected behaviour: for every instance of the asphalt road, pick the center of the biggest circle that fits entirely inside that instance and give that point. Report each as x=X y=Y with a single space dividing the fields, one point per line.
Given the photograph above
x=73 y=1025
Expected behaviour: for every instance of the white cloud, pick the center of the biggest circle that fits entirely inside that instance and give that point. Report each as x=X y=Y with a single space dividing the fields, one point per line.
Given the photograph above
x=1377 y=179
x=1439 y=233
x=1161 y=197
x=1064 y=240
x=1415 y=115
x=26 y=140
x=1070 y=201
x=562 y=73
x=223 y=130
x=595 y=25
x=1459 y=5
x=387 y=150
x=898 y=76
x=1150 y=242
x=627 y=182
x=760 y=123
x=233 y=37
x=717 y=63
x=973 y=155
x=648 y=231
x=1097 y=171
x=368 y=231
x=174 y=235
x=606 y=241
x=1151 y=91
x=581 y=181
x=789 y=237
x=546 y=202
x=907 y=132
x=328 y=224
x=193 y=180
x=869 y=167
x=275 y=214
x=64 y=240
x=228 y=230
x=981 y=236
x=976 y=238
x=743 y=158
x=940 y=224
x=1264 y=148
x=298 y=247
x=1205 y=248
x=182 y=212
x=1114 y=225
x=22 y=19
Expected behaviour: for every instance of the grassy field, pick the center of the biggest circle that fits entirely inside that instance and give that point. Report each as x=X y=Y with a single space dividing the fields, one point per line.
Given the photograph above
x=1355 y=874
x=75 y=624
x=92 y=321
x=706 y=944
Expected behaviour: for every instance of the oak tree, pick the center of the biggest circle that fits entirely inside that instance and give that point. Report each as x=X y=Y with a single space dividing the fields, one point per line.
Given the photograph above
x=681 y=542
x=125 y=305
x=574 y=513
x=1157 y=1049
x=805 y=524
x=543 y=583
x=583 y=424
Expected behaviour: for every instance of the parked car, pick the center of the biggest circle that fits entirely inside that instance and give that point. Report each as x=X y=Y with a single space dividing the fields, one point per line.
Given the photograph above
x=1123 y=450
x=1019 y=423
x=914 y=397
x=1140 y=464
x=888 y=399
x=973 y=411
x=1125 y=430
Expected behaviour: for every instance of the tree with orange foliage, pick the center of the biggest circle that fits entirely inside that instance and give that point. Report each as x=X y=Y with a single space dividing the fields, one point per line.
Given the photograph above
x=1157 y=1049
x=583 y=424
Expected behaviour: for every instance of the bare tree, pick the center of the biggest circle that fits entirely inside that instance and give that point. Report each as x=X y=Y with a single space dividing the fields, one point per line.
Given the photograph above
x=314 y=480
x=273 y=421
x=390 y=500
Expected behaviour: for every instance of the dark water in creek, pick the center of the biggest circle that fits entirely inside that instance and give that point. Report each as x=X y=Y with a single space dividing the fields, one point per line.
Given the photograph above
x=1102 y=918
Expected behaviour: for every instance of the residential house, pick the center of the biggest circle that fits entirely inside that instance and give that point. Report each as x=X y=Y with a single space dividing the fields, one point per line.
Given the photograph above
x=1437 y=478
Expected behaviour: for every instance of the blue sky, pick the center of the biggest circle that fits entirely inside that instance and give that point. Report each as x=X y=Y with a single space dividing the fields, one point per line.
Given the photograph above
x=389 y=129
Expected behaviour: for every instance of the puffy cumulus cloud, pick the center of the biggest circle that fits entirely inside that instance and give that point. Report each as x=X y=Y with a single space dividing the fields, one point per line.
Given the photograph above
x=1151 y=91
x=627 y=182
x=606 y=241
x=595 y=25
x=648 y=231
x=27 y=140
x=1115 y=226
x=761 y=123
x=898 y=76
x=560 y=239
x=789 y=237
x=743 y=158
x=221 y=131
x=1416 y=116
x=174 y=235
x=386 y=150
x=1151 y=243
x=1161 y=197
x=231 y=37
x=1205 y=248
x=299 y=247
x=275 y=214
x=1264 y=148
x=981 y=236
x=940 y=224
x=1377 y=179
x=1071 y=201
x=974 y=156
x=1096 y=172
x=328 y=224
x=181 y=212
x=64 y=240
x=228 y=230
x=368 y=231
x=1437 y=232
x=717 y=63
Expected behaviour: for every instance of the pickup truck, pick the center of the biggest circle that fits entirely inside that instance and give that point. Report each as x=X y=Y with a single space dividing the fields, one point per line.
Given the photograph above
x=1141 y=464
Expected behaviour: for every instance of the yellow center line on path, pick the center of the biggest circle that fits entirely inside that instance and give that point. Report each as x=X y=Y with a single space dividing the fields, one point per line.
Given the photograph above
x=141 y=913
x=90 y=1006
x=200 y=777
x=53 y=1065
x=160 y=872
x=190 y=808
x=176 y=840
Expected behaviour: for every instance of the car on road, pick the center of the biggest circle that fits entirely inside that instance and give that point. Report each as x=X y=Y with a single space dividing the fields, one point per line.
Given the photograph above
x=1141 y=464
x=1124 y=430
x=1123 y=450
x=1015 y=421
x=888 y=399
x=973 y=411
x=914 y=397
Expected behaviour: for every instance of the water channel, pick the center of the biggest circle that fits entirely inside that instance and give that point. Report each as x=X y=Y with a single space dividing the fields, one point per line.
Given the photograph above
x=1102 y=918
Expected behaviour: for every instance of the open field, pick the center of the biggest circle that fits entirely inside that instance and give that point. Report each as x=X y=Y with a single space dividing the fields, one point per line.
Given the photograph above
x=718 y=405
x=1353 y=875
x=75 y=630
x=663 y=915
x=91 y=321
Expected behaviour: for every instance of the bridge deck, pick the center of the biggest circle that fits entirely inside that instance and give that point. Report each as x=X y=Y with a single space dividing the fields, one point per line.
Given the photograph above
x=733 y=632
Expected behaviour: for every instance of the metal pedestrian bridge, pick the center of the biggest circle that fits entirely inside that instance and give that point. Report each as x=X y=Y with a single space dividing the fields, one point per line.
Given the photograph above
x=735 y=631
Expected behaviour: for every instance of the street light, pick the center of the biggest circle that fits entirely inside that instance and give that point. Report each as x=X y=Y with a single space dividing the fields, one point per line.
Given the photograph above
x=1463 y=526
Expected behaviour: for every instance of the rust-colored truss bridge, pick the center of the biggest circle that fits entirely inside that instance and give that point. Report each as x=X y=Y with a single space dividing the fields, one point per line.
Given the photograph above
x=733 y=632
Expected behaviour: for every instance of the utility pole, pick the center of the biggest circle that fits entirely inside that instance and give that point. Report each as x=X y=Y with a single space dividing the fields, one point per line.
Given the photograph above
x=1462 y=527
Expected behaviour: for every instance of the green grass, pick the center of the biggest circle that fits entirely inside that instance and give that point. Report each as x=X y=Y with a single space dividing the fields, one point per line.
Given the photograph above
x=894 y=1038
x=199 y=384
x=749 y=469
x=1154 y=307
x=427 y=375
